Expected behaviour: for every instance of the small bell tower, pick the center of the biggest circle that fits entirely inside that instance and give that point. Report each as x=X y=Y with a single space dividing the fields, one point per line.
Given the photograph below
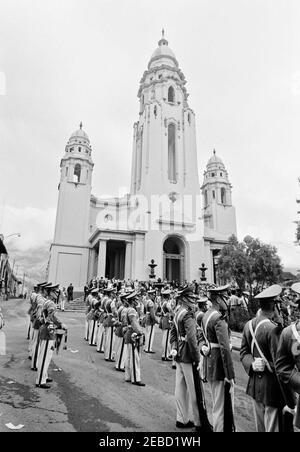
x=218 y=211
x=70 y=244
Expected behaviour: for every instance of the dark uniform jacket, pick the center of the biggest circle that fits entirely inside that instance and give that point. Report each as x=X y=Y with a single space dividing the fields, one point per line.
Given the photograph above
x=288 y=362
x=166 y=316
x=132 y=325
x=121 y=321
x=150 y=313
x=218 y=364
x=47 y=330
x=184 y=340
x=264 y=386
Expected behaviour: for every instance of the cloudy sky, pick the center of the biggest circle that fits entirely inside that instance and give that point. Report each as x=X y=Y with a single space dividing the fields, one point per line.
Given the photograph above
x=66 y=61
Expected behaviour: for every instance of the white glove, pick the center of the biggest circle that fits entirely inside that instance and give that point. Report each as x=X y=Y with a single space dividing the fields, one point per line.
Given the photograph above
x=231 y=382
x=258 y=365
x=173 y=353
x=63 y=326
x=205 y=350
x=289 y=410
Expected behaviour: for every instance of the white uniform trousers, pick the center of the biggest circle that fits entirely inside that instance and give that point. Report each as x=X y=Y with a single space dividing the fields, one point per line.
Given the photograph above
x=100 y=338
x=120 y=352
x=30 y=341
x=185 y=394
x=217 y=389
x=109 y=343
x=132 y=363
x=45 y=356
x=150 y=332
x=165 y=343
x=35 y=349
x=86 y=330
x=266 y=418
x=93 y=332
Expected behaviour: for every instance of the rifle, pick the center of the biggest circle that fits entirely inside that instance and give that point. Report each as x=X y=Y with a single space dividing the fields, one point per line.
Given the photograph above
x=205 y=424
x=229 y=425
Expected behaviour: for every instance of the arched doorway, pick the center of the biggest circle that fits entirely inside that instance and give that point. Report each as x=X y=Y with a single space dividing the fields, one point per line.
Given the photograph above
x=174 y=259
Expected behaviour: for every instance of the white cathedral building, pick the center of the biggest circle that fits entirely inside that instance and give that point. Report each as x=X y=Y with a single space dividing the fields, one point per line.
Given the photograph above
x=167 y=217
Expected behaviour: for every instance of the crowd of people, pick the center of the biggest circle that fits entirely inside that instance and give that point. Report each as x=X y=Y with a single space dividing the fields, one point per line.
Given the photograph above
x=121 y=321
x=45 y=331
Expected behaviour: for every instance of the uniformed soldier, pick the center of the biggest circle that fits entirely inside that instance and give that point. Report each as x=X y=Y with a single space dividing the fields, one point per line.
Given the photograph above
x=165 y=323
x=258 y=356
x=93 y=318
x=133 y=338
x=109 y=323
x=185 y=350
x=151 y=321
x=288 y=358
x=119 y=333
x=215 y=347
x=31 y=311
x=101 y=330
x=88 y=304
x=47 y=337
x=36 y=322
x=32 y=301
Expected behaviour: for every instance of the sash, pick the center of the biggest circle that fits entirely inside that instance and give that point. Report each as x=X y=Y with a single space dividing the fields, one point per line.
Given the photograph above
x=255 y=343
x=204 y=328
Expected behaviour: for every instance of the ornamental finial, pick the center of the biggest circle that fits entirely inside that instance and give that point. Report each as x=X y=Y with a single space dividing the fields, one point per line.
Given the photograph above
x=80 y=125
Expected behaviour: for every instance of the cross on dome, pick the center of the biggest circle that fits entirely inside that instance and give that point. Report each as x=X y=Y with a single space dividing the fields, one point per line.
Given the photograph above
x=163 y=41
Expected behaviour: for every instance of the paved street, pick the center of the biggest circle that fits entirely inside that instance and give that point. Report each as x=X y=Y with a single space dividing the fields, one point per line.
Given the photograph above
x=88 y=394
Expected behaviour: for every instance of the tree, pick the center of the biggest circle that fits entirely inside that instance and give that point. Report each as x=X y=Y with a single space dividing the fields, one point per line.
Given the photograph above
x=250 y=264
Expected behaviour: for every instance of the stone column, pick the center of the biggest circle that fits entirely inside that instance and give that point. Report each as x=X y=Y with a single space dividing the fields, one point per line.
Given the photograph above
x=101 y=259
x=128 y=261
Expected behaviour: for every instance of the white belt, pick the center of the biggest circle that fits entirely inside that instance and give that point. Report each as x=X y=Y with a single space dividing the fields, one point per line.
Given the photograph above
x=212 y=345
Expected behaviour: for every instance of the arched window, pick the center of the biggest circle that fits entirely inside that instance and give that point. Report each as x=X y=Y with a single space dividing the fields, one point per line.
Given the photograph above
x=189 y=118
x=77 y=173
x=205 y=199
x=172 y=153
x=139 y=151
x=67 y=171
x=223 y=195
x=171 y=94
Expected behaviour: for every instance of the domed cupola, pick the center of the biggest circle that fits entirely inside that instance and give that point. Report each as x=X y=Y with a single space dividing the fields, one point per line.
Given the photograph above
x=79 y=144
x=163 y=54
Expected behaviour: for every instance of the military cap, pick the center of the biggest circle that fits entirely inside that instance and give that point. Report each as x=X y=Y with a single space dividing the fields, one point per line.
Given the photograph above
x=41 y=284
x=188 y=290
x=110 y=289
x=132 y=296
x=150 y=291
x=202 y=299
x=166 y=292
x=270 y=292
x=56 y=287
x=123 y=294
x=296 y=287
x=220 y=289
x=94 y=290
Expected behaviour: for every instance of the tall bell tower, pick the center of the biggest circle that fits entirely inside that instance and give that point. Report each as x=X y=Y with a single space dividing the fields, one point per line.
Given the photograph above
x=69 y=250
x=164 y=145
